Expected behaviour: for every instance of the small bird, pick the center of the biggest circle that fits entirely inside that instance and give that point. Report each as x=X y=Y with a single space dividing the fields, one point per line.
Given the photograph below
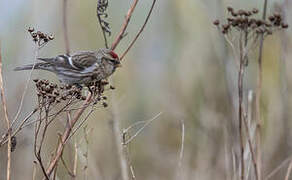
x=81 y=68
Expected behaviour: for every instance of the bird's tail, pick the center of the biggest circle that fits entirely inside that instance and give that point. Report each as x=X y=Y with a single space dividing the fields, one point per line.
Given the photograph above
x=44 y=66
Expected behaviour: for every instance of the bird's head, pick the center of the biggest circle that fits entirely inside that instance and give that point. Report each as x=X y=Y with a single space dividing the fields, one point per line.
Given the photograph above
x=111 y=57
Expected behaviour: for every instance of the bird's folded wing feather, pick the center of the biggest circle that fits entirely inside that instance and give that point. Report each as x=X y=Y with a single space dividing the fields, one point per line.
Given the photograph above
x=84 y=60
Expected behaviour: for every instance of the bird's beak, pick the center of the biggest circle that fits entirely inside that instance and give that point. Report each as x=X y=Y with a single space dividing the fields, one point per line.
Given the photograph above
x=118 y=64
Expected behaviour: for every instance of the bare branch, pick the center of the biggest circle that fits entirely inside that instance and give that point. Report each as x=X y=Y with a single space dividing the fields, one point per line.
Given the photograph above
x=7 y=121
x=140 y=31
x=141 y=129
x=26 y=86
x=66 y=135
x=124 y=26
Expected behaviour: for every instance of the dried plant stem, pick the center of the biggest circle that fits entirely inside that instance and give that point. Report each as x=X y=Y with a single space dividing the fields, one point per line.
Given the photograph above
x=118 y=140
x=124 y=26
x=66 y=38
x=240 y=105
x=26 y=86
x=251 y=149
x=289 y=171
x=258 y=99
x=8 y=170
x=75 y=161
x=278 y=168
x=140 y=31
x=141 y=129
x=181 y=151
x=66 y=135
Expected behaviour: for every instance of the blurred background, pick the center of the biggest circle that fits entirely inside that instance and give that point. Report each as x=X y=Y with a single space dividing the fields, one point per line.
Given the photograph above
x=180 y=66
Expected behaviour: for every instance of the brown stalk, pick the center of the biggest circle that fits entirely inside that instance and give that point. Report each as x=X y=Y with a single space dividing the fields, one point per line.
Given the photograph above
x=66 y=134
x=288 y=171
x=258 y=99
x=140 y=31
x=240 y=104
x=124 y=26
x=8 y=170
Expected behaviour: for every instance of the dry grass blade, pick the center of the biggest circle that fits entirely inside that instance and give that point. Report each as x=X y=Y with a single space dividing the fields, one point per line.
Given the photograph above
x=124 y=26
x=140 y=31
x=181 y=152
x=3 y=100
x=141 y=129
x=289 y=171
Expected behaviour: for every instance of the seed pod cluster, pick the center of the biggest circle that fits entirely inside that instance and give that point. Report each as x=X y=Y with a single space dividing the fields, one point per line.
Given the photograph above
x=39 y=37
x=98 y=88
x=52 y=93
x=243 y=20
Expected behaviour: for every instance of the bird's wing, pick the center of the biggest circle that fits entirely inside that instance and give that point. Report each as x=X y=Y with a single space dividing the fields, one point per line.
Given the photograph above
x=79 y=61
x=83 y=60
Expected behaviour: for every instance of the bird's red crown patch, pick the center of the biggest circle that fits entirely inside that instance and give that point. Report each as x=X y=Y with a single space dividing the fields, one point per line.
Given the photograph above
x=114 y=55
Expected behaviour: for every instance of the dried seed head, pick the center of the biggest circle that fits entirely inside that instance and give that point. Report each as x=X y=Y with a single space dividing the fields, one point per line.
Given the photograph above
x=277 y=15
x=51 y=37
x=216 y=22
x=230 y=9
x=34 y=35
x=255 y=10
x=105 y=104
x=285 y=26
x=13 y=143
x=234 y=14
x=30 y=29
x=241 y=12
x=271 y=18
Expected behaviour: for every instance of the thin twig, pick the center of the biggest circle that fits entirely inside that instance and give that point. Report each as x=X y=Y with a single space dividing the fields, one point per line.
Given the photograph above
x=124 y=26
x=140 y=31
x=240 y=105
x=181 y=152
x=118 y=139
x=75 y=160
x=26 y=86
x=278 y=168
x=66 y=38
x=289 y=171
x=4 y=140
x=141 y=129
x=81 y=123
x=66 y=134
x=8 y=170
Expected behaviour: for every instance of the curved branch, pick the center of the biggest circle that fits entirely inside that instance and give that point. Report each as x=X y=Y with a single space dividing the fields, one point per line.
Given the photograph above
x=124 y=26
x=140 y=31
x=66 y=135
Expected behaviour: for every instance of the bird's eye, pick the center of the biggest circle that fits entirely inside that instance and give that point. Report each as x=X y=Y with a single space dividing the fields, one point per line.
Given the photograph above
x=113 y=61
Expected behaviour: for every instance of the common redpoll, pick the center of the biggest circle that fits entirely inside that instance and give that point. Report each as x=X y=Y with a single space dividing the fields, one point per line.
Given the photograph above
x=81 y=67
